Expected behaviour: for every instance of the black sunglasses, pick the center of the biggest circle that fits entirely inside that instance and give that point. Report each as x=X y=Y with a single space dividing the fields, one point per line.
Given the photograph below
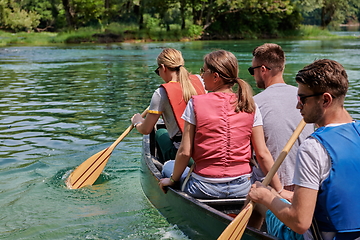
x=251 y=69
x=301 y=99
x=157 y=71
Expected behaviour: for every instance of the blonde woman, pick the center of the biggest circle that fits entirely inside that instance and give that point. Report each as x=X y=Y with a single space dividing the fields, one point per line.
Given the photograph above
x=169 y=101
x=221 y=127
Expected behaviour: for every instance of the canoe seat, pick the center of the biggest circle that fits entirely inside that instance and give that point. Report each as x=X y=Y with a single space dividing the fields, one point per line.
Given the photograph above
x=223 y=201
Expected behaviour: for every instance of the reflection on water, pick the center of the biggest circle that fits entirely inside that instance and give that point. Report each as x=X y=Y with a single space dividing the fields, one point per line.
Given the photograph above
x=60 y=105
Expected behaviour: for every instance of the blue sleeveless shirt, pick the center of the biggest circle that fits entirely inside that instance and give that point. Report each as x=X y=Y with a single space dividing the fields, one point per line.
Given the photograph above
x=338 y=207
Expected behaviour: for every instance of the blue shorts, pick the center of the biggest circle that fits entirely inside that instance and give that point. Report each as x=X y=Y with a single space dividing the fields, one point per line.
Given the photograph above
x=236 y=188
x=278 y=229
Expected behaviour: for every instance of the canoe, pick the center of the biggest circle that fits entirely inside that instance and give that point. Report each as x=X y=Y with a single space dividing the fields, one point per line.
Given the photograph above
x=197 y=218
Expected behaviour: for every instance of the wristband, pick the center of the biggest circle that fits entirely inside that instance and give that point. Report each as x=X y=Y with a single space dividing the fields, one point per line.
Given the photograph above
x=172 y=180
x=136 y=124
x=282 y=189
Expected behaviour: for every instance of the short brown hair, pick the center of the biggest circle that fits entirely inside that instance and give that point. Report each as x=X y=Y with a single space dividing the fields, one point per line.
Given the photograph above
x=271 y=55
x=325 y=75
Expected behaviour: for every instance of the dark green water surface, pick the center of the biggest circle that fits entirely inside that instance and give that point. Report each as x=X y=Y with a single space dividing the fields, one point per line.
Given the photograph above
x=60 y=105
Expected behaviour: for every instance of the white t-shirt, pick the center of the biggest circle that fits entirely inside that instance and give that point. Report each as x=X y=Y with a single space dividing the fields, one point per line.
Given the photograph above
x=160 y=105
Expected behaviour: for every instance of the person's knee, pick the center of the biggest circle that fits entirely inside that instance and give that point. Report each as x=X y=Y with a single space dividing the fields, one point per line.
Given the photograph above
x=162 y=132
x=168 y=168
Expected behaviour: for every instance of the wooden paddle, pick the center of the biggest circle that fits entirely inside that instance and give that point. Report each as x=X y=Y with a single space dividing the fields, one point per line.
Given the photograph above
x=236 y=228
x=87 y=172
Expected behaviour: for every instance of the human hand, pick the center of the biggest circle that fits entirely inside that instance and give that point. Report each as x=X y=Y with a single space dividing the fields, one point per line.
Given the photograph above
x=164 y=183
x=259 y=192
x=136 y=118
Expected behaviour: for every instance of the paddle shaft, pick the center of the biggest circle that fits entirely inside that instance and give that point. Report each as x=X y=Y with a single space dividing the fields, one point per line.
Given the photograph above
x=236 y=228
x=89 y=171
x=126 y=132
x=284 y=153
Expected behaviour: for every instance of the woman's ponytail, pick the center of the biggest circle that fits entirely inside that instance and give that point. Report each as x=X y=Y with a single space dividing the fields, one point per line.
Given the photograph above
x=246 y=101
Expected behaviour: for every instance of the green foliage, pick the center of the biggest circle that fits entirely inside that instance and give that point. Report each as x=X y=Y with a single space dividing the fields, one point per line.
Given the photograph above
x=328 y=12
x=175 y=19
x=44 y=9
x=22 y=38
x=88 y=12
x=81 y=35
x=120 y=28
x=258 y=19
x=194 y=31
x=19 y=20
x=151 y=22
x=313 y=31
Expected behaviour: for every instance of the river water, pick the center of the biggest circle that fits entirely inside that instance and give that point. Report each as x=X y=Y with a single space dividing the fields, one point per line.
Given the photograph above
x=60 y=105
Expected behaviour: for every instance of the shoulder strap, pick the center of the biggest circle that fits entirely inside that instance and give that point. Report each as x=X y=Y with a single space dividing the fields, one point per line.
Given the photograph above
x=197 y=84
x=178 y=105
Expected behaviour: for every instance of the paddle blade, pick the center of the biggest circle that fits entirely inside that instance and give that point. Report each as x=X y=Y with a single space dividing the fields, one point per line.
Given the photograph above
x=87 y=172
x=236 y=228
x=90 y=170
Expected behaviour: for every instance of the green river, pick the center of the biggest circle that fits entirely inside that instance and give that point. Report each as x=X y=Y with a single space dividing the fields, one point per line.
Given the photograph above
x=61 y=104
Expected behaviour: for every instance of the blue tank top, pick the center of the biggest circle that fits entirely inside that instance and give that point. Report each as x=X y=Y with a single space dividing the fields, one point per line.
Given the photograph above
x=338 y=208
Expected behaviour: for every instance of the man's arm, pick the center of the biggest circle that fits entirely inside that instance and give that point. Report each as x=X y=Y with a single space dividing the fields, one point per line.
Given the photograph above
x=297 y=215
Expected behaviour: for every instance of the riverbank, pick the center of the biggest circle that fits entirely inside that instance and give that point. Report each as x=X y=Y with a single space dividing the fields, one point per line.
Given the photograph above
x=113 y=35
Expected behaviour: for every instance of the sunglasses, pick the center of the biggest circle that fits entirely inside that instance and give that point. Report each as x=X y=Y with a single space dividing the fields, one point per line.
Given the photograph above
x=203 y=71
x=157 y=70
x=251 y=69
x=301 y=99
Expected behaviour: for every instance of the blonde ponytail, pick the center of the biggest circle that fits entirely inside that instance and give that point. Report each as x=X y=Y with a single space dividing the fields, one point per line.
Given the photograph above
x=173 y=60
x=186 y=85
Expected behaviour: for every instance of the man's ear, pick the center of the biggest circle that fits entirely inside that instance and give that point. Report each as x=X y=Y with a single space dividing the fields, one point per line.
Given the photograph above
x=328 y=99
x=263 y=68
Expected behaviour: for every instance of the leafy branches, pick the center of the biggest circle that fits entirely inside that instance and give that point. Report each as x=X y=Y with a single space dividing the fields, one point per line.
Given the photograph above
x=240 y=17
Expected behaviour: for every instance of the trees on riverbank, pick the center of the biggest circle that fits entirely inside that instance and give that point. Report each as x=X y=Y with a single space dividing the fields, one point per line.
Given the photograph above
x=213 y=18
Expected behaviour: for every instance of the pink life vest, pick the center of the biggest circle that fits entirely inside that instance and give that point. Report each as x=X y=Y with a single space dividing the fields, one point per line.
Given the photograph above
x=177 y=103
x=222 y=136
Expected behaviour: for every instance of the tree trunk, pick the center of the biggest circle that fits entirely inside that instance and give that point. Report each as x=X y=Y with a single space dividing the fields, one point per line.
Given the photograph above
x=69 y=13
x=182 y=13
x=327 y=14
x=141 y=17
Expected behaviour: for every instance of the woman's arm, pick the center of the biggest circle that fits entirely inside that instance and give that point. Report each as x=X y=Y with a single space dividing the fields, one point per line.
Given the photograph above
x=182 y=156
x=265 y=160
x=145 y=126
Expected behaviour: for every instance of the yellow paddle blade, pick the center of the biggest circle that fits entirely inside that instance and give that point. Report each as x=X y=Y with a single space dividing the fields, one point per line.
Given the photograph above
x=87 y=172
x=237 y=227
